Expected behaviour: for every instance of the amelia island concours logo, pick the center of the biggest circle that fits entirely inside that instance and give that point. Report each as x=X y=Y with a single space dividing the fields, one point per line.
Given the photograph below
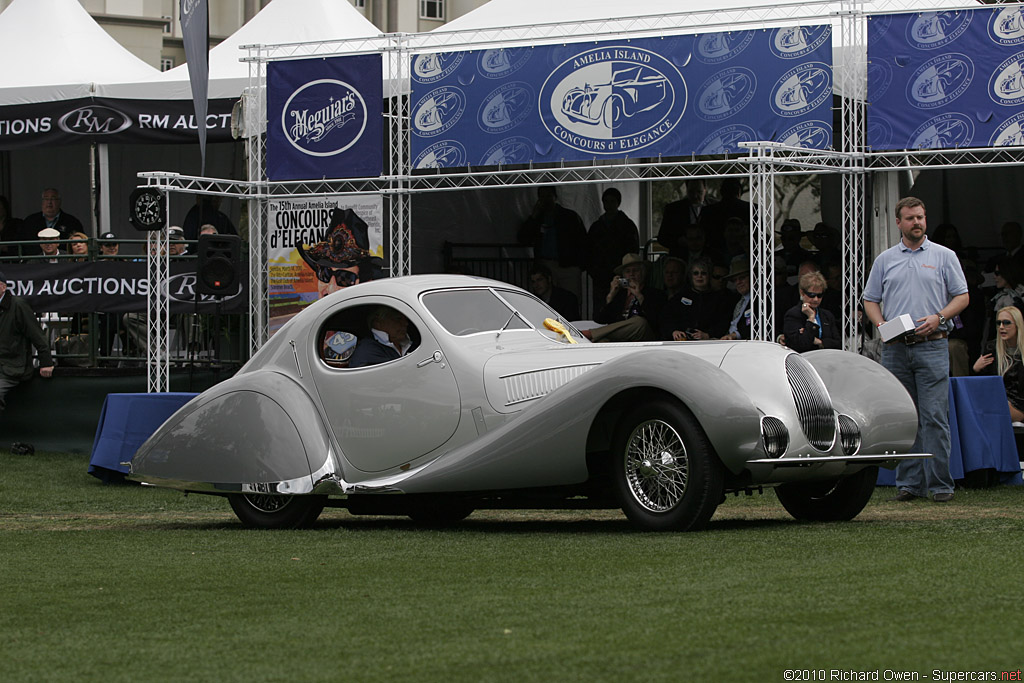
x=726 y=93
x=513 y=150
x=506 y=107
x=1006 y=86
x=441 y=154
x=437 y=111
x=932 y=30
x=324 y=117
x=940 y=80
x=802 y=89
x=792 y=42
x=1006 y=26
x=433 y=67
x=945 y=131
x=1010 y=132
x=503 y=61
x=612 y=100
x=714 y=48
x=726 y=140
x=809 y=135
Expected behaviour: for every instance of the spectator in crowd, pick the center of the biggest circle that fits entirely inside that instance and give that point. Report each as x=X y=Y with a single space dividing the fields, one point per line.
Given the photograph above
x=48 y=245
x=631 y=308
x=79 y=246
x=678 y=216
x=739 y=324
x=176 y=241
x=206 y=210
x=344 y=258
x=1011 y=235
x=19 y=334
x=558 y=239
x=50 y=217
x=737 y=240
x=612 y=236
x=10 y=229
x=920 y=361
x=107 y=246
x=792 y=253
x=1009 y=284
x=208 y=229
x=719 y=273
x=1004 y=356
x=825 y=239
x=809 y=326
x=673 y=278
x=714 y=217
x=701 y=312
x=388 y=340
x=562 y=300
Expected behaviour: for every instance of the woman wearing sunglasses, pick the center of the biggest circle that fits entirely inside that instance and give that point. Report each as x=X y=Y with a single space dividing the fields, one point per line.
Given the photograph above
x=807 y=325
x=1003 y=356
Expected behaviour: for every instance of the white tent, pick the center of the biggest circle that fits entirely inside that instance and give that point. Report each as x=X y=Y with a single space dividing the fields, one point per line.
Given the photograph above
x=280 y=22
x=53 y=50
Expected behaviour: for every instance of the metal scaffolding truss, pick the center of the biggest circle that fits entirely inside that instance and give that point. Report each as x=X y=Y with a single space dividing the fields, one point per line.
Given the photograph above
x=762 y=165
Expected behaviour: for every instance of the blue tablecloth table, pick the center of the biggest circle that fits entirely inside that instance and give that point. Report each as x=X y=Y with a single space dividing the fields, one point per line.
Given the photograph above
x=980 y=432
x=126 y=421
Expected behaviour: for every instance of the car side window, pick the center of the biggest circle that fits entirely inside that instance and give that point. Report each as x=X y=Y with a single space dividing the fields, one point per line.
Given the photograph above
x=365 y=335
x=468 y=311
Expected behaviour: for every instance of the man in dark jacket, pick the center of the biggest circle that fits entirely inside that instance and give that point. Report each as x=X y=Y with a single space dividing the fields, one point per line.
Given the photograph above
x=388 y=340
x=612 y=236
x=558 y=239
x=51 y=216
x=19 y=332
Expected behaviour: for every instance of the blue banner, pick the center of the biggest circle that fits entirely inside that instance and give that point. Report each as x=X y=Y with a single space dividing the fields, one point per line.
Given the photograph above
x=948 y=79
x=324 y=118
x=649 y=97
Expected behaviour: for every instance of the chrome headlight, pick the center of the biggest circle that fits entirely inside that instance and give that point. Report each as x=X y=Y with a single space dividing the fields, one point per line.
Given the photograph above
x=774 y=436
x=849 y=434
x=813 y=404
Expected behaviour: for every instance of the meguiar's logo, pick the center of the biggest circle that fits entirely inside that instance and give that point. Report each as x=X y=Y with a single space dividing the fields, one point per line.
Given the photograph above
x=324 y=117
x=612 y=100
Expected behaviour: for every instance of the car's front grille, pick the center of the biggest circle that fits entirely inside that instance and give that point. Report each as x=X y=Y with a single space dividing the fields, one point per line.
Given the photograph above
x=813 y=405
x=530 y=385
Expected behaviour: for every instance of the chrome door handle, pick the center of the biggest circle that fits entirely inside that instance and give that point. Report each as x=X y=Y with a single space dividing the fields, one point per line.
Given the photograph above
x=436 y=357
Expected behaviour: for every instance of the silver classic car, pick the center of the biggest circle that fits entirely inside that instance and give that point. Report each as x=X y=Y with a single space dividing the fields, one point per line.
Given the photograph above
x=499 y=403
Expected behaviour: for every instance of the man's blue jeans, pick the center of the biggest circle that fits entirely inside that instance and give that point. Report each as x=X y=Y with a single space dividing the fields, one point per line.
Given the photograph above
x=923 y=368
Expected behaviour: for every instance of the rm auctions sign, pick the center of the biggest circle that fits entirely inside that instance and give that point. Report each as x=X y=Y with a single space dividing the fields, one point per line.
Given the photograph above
x=324 y=118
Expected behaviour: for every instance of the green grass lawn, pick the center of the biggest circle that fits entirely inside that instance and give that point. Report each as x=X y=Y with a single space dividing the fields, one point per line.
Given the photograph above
x=113 y=582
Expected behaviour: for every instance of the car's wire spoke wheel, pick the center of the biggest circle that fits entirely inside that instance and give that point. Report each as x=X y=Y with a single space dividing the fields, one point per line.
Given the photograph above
x=265 y=511
x=657 y=467
x=665 y=471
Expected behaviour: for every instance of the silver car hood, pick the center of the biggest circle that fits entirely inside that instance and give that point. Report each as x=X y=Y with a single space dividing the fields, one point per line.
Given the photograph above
x=513 y=380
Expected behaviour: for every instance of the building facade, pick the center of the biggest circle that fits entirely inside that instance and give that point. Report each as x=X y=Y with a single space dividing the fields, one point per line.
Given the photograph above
x=150 y=28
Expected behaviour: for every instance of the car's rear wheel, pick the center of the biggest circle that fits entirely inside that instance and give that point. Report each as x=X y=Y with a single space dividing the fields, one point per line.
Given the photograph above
x=263 y=511
x=829 y=501
x=666 y=473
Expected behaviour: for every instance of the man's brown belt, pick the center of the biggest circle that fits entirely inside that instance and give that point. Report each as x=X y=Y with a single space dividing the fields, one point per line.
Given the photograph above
x=912 y=339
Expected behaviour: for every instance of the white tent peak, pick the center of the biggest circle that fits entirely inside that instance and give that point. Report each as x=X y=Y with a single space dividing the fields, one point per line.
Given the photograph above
x=53 y=50
x=280 y=22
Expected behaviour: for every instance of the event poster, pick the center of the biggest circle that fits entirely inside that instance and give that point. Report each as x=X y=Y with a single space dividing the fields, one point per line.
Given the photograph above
x=667 y=96
x=299 y=227
x=325 y=118
x=946 y=79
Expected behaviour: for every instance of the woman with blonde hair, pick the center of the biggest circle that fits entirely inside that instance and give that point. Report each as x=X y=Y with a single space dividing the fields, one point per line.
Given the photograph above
x=1004 y=356
x=79 y=245
x=807 y=326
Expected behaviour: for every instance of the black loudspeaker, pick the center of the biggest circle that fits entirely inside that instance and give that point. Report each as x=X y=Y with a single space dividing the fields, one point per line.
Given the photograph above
x=217 y=269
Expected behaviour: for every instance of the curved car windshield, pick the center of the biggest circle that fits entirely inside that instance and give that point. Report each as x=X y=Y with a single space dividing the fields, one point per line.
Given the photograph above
x=468 y=311
x=535 y=311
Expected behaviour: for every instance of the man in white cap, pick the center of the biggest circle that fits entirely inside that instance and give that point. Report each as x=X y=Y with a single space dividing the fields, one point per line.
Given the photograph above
x=48 y=245
x=19 y=332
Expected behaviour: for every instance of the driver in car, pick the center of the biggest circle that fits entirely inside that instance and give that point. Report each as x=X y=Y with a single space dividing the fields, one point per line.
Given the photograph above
x=388 y=340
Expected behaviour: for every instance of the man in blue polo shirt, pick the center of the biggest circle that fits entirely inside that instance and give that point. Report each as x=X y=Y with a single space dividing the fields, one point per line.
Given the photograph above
x=924 y=280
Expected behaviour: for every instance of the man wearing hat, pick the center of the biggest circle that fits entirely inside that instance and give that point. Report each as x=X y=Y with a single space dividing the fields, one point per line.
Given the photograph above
x=48 y=246
x=176 y=238
x=791 y=234
x=631 y=308
x=739 y=274
x=19 y=332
